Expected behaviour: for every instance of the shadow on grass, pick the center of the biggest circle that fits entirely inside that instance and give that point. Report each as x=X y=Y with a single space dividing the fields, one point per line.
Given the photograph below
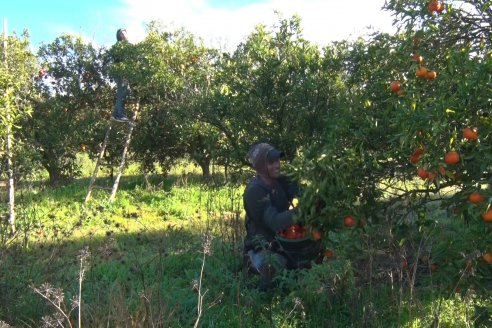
x=151 y=275
x=144 y=265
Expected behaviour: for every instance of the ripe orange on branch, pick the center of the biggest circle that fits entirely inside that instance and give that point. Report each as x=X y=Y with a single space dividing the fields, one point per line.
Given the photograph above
x=431 y=176
x=395 y=86
x=452 y=157
x=470 y=134
x=487 y=257
x=420 y=150
x=421 y=172
x=435 y=5
x=431 y=75
x=487 y=216
x=475 y=198
x=419 y=59
x=316 y=235
x=440 y=7
x=349 y=221
x=414 y=159
x=421 y=72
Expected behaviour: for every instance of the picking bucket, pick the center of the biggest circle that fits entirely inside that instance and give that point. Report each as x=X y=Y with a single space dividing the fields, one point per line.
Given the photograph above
x=301 y=252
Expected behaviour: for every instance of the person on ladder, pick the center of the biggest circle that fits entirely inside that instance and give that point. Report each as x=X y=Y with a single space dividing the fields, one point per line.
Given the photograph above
x=122 y=87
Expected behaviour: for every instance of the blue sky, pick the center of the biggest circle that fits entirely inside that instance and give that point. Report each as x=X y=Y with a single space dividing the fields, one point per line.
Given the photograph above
x=45 y=20
x=220 y=23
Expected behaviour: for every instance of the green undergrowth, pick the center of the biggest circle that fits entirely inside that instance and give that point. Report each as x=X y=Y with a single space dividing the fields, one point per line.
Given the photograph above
x=167 y=253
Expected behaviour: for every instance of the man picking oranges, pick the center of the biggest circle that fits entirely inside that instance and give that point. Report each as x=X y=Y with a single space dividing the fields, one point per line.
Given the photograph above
x=266 y=200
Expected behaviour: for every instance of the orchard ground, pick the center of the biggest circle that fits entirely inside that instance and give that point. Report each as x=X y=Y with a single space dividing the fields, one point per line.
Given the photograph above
x=167 y=253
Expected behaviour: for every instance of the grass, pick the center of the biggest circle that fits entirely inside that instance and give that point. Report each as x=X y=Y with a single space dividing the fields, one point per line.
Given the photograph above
x=171 y=246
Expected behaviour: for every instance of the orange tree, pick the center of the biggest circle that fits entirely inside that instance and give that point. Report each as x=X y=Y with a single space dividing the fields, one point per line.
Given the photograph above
x=170 y=75
x=164 y=71
x=17 y=68
x=74 y=93
x=377 y=139
x=455 y=42
x=272 y=88
x=19 y=71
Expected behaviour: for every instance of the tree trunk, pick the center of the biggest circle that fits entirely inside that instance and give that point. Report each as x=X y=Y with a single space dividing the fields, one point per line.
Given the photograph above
x=11 y=187
x=9 y=137
x=55 y=177
x=205 y=166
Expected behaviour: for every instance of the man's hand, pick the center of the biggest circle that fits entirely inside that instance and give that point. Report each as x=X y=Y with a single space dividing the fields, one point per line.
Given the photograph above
x=293 y=203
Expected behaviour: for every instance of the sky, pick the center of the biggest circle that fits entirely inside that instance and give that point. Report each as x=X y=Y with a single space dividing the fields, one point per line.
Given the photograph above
x=221 y=24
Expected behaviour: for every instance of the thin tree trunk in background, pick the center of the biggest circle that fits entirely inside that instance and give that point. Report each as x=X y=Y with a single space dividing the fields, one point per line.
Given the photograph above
x=9 y=141
x=11 y=187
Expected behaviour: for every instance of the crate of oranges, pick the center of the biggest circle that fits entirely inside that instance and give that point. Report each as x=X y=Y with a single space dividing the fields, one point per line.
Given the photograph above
x=300 y=245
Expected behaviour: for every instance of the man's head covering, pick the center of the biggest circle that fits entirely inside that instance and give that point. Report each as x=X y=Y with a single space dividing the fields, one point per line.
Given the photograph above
x=261 y=154
x=121 y=35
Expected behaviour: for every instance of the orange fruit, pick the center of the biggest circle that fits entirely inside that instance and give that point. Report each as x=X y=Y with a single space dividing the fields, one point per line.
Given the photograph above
x=349 y=221
x=421 y=172
x=431 y=75
x=475 y=198
x=452 y=157
x=419 y=151
x=421 y=71
x=316 y=235
x=295 y=231
x=329 y=253
x=431 y=176
x=470 y=134
x=414 y=159
x=395 y=86
x=290 y=232
x=487 y=216
x=433 y=5
x=487 y=257
x=440 y=7
x=417 y=58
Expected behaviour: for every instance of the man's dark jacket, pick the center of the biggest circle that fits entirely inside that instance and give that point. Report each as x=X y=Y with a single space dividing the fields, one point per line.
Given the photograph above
x=267 y=211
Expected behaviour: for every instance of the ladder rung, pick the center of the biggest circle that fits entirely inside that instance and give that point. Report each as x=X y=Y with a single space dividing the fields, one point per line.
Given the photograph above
x=126 y=122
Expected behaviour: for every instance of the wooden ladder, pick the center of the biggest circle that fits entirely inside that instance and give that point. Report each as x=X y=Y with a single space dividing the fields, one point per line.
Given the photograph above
x=92 y=184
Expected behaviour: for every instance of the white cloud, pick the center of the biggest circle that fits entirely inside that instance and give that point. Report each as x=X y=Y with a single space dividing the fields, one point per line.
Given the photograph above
x=323 y=21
